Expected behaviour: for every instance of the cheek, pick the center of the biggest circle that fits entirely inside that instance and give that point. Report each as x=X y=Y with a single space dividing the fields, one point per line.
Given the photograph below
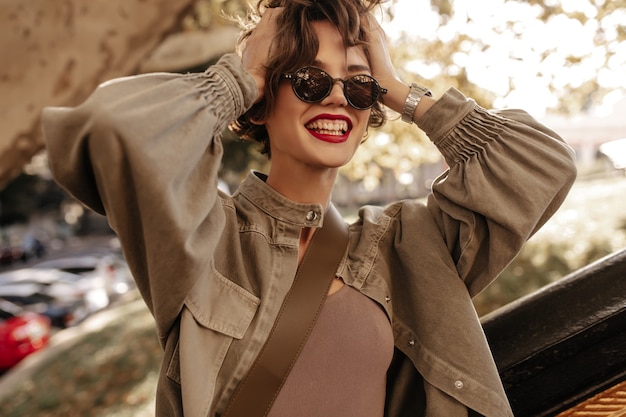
x=286 y=111
x=285 y=96
x=287 y=105
x=363 y=119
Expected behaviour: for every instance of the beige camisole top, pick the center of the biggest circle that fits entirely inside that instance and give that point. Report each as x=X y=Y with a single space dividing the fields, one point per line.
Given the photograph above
x=341 y=371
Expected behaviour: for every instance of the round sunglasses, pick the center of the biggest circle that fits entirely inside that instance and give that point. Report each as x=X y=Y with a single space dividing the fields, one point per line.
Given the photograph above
x=313 y=84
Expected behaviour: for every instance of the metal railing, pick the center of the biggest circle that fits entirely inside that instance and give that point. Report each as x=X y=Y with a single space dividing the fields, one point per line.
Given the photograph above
x=564 y=343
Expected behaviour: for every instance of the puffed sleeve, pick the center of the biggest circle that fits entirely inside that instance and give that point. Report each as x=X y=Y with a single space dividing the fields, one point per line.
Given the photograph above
x=507 y=175
x=145 y=151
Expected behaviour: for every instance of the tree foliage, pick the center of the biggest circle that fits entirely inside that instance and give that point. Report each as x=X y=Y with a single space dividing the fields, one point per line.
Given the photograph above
x=507 y=40
x=26 y=196
x=458 y=50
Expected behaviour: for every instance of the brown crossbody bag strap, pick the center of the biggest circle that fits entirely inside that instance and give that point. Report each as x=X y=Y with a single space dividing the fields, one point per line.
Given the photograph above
x=257 y=391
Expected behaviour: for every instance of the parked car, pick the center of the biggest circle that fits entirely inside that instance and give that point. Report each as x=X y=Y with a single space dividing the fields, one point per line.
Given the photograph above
x=93 y=288
x=8 y=255
x=59 y=295
x=21 y=333
x=30 y=248
x=109 y=269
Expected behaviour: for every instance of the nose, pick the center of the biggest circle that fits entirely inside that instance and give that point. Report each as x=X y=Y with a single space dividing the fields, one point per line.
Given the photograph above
x=336 y=95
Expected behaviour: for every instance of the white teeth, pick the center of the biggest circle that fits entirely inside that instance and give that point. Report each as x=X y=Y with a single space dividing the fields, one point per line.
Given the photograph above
x=329 y=127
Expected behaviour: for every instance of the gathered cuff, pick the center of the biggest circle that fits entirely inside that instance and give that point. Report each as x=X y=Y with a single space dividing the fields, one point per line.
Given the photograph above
x=228 y=89
x=459 y=127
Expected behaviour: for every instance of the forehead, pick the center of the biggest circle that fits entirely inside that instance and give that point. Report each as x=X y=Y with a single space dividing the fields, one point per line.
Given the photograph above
x=332 y=54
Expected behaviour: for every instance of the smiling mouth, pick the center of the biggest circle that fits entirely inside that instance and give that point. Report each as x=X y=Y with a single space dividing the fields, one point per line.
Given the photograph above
x=328 y=127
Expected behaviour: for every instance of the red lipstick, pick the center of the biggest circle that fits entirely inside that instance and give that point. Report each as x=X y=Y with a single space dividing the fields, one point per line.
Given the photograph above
x=332 y=128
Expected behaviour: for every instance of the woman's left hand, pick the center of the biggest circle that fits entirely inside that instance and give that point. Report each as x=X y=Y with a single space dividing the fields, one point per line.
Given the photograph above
x=382 y=67
x=384 y=71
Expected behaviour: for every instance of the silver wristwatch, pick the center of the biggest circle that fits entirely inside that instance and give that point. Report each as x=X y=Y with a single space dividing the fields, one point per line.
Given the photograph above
x=416 y=93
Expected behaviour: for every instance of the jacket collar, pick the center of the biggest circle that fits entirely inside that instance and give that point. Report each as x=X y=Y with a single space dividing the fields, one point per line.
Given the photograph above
x=255 y=189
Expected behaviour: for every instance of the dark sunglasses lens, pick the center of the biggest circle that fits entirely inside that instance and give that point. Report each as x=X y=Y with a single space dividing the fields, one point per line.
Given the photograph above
x=361 y=91
x=311 y=84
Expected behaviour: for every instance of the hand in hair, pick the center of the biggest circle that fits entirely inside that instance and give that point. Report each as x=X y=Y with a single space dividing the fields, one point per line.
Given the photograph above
x=257 y=48
x=383 y=69
x=380 y=61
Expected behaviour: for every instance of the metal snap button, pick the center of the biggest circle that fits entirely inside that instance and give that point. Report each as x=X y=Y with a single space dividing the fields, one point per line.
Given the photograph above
x=458 y=384
x=411 y=343
x=387 y=298
x=311 y=215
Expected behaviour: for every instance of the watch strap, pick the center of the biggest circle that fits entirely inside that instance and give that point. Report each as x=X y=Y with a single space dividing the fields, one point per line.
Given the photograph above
x=416 y=92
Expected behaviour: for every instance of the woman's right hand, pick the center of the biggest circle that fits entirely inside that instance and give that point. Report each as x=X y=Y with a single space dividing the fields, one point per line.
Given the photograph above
x=257 y=48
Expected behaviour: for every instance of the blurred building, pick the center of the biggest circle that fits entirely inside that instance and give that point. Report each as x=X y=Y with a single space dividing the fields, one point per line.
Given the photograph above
x=586 y=133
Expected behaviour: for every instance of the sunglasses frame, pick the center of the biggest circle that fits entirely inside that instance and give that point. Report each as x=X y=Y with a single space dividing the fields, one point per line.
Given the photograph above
x=293 y=77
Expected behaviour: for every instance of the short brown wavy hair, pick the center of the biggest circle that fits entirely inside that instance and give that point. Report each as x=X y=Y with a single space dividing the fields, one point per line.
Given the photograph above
x=294 y=46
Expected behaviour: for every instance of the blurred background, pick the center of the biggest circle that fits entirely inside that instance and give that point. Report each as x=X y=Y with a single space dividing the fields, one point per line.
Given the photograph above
x=75 y=339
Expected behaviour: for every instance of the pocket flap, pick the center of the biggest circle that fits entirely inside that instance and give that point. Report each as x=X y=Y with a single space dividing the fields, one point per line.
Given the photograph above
x=221 y=305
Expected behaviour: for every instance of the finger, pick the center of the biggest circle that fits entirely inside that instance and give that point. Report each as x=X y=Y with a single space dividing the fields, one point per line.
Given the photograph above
x=259 y=43
x=382 y=67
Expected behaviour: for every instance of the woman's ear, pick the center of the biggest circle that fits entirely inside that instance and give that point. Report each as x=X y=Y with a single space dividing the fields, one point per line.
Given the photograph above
x=258 y=122
x=256 y=114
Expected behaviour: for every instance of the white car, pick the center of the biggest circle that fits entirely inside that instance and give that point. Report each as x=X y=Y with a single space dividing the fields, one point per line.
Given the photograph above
x=65 y=298
x=110 y=271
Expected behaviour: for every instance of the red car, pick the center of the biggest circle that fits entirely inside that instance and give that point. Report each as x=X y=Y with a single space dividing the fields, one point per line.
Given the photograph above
x=21 y=333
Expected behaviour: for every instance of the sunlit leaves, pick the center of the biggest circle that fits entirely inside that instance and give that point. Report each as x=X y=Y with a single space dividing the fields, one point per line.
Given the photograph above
x=555 y=56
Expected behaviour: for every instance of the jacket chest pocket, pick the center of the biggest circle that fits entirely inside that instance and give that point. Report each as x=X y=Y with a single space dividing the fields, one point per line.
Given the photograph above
x=216 y=312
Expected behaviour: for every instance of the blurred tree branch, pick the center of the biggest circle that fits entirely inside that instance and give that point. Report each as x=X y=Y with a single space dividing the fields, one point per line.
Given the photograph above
x=57 y=52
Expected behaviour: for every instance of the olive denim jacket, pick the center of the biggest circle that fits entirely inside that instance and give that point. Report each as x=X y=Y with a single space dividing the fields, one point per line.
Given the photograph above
x=214 y=269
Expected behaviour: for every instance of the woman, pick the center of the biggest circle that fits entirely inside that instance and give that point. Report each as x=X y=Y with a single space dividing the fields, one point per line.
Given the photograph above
x=398 y=335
